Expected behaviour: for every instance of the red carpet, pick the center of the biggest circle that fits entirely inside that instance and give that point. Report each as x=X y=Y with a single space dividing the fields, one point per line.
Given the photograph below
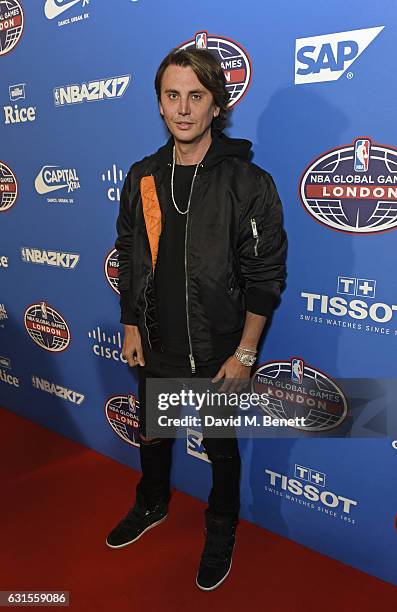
x=61 y=499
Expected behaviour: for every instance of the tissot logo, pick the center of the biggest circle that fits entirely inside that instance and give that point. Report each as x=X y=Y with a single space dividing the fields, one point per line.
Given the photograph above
x=353 y=306
x=307 y=488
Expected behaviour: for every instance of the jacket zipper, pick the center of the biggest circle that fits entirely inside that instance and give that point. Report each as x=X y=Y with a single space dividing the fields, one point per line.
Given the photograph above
x=191 y=357
x=255 y=235
x=144 y=314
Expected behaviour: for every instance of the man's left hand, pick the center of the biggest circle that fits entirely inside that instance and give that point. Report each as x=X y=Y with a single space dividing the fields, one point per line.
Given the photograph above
x=238 y=373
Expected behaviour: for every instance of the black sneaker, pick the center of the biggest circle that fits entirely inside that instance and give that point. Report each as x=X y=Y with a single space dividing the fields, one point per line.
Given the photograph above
x=137 y=521
x=216 y=560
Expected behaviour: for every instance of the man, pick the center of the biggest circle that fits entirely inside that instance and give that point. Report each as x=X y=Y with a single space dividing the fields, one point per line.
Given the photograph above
x=201 y=265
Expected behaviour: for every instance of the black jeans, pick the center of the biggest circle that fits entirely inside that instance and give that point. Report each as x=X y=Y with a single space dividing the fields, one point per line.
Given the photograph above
x=156 y=456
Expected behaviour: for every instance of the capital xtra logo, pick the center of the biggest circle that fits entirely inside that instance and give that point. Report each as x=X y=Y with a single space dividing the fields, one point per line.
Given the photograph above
x=327 y=57
x=56 y=8
x=353 y=306
x=55 y=178
x=92 y=91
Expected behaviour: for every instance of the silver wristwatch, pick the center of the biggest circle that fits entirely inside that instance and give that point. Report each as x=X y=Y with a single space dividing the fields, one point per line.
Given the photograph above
x=245 y=356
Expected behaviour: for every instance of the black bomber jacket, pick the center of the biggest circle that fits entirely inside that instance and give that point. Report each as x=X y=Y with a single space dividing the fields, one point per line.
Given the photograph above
x=235 y=244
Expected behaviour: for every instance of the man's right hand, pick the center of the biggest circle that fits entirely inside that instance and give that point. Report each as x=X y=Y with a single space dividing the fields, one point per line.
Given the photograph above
x=132 y=346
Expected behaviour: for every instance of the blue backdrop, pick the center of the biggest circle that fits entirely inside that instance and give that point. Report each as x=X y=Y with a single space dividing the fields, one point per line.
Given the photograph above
x=313 y=87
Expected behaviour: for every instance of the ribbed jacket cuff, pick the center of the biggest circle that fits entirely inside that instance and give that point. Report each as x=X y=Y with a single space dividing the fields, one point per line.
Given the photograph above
x=127 y=314
x=260 y=302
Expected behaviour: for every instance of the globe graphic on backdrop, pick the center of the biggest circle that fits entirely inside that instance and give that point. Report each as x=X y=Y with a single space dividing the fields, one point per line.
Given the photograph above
x=11 y=16
x=112 y=270
x=373 y=209
x=47 y=327
x=122 y=413
x=8 y=187
x=233 y=58
x=274 y=379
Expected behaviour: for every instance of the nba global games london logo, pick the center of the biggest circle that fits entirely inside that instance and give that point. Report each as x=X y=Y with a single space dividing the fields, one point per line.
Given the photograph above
x=353 y=188
x=295 y=389
x=47 y=327
x=122 y=413
x=8 y=187
x=11 y=25
x=233 y=58
x=112 y=270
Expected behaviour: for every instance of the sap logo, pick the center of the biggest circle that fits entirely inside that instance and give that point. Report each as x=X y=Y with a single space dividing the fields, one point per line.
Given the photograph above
x=194 y=445
x=326 y=58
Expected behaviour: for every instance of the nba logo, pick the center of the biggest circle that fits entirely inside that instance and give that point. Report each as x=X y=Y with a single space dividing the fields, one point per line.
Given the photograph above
x=43 y=307
x=361 y=155
x=201 y=40
x=132 y=404
x=297 y=370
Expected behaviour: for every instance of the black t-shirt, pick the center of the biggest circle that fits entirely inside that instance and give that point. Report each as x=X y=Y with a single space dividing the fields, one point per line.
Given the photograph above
x=169 y=276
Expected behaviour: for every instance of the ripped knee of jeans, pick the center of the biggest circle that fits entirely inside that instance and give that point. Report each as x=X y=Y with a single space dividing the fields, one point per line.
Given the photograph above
x=149 y=441
x=216 y=454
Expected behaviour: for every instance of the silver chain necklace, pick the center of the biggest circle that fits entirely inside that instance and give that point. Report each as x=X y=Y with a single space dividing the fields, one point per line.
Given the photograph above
x=181 y=212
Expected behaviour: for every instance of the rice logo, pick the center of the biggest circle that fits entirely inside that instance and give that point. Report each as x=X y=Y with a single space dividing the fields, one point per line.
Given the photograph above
x=47 y=327
x=122 y=413
x=317 y=399
x=233 y=58
x=112 y=270
x=16 y=114
x=353 y=188
x=11 y=25
x=8 y=187
x=327 y=57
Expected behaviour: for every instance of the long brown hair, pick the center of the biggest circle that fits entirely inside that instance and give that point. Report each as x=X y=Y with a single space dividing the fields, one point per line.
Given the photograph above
x=208 y=71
